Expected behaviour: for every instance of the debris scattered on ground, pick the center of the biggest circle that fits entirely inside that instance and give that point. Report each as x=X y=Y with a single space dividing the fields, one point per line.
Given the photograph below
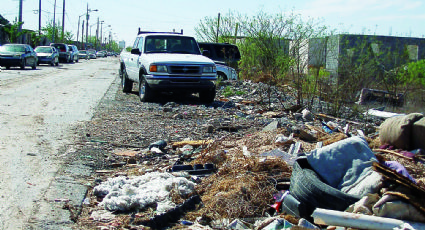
x=185 y=165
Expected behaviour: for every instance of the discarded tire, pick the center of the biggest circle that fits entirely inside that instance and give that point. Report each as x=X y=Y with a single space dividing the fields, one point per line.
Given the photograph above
x=163 y=220
x=311 y=192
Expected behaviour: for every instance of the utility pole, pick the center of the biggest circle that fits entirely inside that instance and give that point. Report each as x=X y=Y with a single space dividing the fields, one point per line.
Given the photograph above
x=87 y=24
x=78 y=29
x=63 y=20
x=39 y=18
x=101 y=26
x=54 y=22
x=82 y=35
x=218 y=26
x=20 y=20
x=97 y=33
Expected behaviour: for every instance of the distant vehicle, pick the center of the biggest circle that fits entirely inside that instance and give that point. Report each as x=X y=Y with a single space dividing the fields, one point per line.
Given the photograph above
x=226 y=56
x=18 y=55
x=74 y=53
x=222 y=52
x=64 y=52
x=168 y=62
x=101 y=53
x=83 y=54
x=92 y=54
x=47 y=55
x=225 y=72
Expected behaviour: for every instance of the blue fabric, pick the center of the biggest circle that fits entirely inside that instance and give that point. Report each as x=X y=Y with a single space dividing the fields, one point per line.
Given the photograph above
x=341 y=164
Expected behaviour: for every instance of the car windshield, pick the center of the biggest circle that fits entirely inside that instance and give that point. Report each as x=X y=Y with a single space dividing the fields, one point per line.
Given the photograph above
x=12 y=48
x=171 y=44
x=43 y=50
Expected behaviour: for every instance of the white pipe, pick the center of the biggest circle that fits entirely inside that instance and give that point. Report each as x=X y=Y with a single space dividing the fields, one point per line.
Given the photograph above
x=360 y=221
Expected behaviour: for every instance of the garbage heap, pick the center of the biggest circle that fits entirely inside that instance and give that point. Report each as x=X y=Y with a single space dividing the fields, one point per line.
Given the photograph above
x=302 y=170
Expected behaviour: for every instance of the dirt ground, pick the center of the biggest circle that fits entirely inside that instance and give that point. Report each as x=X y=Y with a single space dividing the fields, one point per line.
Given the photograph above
x=113 y=144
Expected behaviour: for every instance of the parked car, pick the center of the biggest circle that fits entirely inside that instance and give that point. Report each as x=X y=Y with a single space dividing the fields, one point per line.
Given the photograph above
x=18 y=55
x=222 y=52
x=47 y=55
x=83 y=54
x=225 y=72
x=74 y=53
x=225 y=56
x=101 y=53
x=64 y=52
x=92 y=54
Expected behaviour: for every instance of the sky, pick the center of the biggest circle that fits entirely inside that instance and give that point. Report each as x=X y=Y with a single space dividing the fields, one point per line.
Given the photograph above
x=122 y=18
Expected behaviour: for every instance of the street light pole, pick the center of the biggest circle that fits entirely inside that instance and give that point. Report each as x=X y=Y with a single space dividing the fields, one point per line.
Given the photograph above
x=101 y=24
x=78 y=28
x=87 y=24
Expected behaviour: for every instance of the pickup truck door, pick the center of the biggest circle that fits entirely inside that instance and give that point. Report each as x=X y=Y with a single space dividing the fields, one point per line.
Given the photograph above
x=133 y=60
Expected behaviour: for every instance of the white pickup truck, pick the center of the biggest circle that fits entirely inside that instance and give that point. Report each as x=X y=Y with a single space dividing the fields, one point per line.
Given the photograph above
x=169 y=62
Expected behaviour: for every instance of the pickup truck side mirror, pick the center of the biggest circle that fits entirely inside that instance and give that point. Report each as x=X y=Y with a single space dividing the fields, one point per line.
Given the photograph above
x=206 y=53
x=136 y=51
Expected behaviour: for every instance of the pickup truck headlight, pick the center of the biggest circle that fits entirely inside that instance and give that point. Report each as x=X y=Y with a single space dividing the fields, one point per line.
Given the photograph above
x=158 y=68
x=209 y=69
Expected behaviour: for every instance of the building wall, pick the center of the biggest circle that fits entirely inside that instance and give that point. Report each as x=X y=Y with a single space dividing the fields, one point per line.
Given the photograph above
x=390 y=52
x=317 y=52
x=332 y=55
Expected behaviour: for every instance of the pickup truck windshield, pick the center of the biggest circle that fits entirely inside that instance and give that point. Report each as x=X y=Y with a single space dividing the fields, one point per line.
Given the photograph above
x=171 y=44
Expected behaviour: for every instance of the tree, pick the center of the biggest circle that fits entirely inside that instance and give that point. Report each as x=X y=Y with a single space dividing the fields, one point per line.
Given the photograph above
x=12 y=31
x=227 y=27
x=49 y=31
x=4 y=21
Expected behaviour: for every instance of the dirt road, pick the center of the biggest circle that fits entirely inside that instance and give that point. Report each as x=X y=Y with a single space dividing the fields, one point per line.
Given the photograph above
x=37 y=110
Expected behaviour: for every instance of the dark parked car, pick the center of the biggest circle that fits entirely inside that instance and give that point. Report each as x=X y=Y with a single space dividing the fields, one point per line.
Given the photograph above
x=74 y=53
x=47 y=55
x=222 y=53
x=17 y=55
x=64 y=52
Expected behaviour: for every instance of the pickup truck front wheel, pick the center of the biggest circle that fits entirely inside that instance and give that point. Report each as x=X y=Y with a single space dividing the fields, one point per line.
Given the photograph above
x=145 y=92
x=127 y=84
x=207 y=96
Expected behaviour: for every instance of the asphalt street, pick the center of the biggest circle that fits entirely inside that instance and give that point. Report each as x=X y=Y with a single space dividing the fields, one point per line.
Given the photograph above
x=38 y=109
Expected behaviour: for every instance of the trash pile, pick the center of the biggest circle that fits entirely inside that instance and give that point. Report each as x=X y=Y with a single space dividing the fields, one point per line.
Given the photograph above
x=235 y=165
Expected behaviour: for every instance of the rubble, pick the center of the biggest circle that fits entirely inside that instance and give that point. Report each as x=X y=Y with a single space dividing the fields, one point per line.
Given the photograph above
x=234 y=155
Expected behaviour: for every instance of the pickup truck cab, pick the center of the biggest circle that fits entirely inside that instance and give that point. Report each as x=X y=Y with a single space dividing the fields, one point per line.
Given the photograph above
x=169 y=62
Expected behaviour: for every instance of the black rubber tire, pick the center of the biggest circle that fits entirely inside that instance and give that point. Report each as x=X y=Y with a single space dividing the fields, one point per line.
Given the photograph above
x=34 y=65
x=7 y=67
x=145 y=91
x=23 y=64
x=312 y=192
x=207 y=96
x=127 y=84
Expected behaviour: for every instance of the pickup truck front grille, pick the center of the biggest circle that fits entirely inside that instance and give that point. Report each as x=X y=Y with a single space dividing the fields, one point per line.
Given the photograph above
x=180 y=69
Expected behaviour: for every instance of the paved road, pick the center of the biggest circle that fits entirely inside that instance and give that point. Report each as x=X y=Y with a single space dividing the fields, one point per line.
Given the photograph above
x=37 y=110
